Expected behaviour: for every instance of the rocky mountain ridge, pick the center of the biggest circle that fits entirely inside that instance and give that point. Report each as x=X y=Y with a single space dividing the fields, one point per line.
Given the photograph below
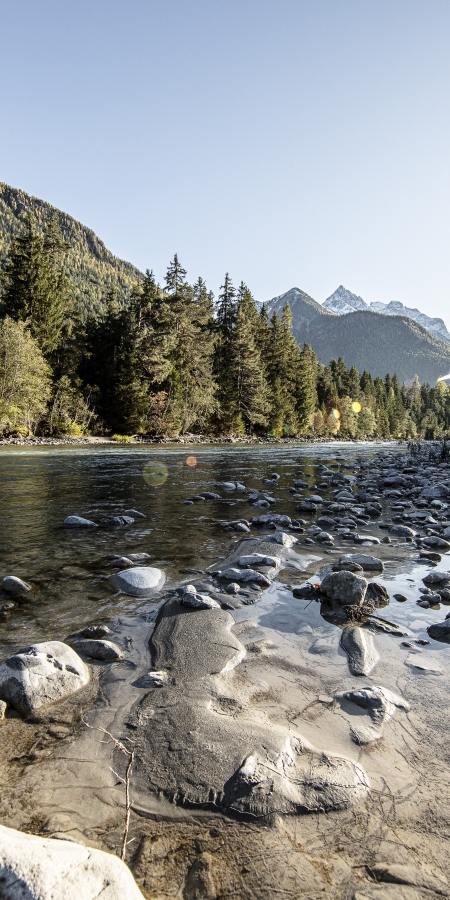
x=342 y=302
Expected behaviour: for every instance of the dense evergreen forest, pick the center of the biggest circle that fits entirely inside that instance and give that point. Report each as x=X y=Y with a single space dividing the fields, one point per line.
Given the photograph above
x=172 y=360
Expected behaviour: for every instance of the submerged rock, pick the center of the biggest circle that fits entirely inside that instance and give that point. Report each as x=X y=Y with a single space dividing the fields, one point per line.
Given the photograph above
x=37 y=868
x=134 y=514
x=139 y=581
x=41 y=674
x=360 y=649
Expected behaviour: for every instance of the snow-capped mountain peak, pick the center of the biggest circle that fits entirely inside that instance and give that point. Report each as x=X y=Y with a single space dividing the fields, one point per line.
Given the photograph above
x=343 y=301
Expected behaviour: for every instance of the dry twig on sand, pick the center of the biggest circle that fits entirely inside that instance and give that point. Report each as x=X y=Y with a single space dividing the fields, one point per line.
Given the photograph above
x=126 y=781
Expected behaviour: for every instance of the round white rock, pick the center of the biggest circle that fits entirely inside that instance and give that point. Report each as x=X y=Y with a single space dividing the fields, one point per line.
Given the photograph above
x=138 y=582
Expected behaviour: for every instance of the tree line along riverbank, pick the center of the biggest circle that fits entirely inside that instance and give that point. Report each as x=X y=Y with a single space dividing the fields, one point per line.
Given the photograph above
x=172 y=361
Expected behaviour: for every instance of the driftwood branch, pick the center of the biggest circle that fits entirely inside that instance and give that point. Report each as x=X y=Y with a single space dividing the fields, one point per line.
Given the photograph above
x=126 y=781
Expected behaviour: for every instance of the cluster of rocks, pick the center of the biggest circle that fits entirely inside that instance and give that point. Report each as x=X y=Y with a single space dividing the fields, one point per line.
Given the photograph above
x=126 y=518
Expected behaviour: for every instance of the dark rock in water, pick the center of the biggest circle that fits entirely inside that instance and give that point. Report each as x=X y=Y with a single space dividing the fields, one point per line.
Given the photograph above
x=78 y=522
x=272 y=519
x=134 y=514
x=121 y=562
x=440 y=631
x=95 y=632
x=188 y=502
x=433 y=541
x=373 y=510
x=97 y=649
x=138 y=557
x=345 y=588
x=347 y=566
x=360 y=648
x=307 y=592
x=431 y=555
x=436 y=577
x=376 y=594
x=445 y=595
x=307 y=506
x=402 y=531
x=210 y=495
x=369 y=563
x=400 y=597
x=116 y=520
x=13 y=585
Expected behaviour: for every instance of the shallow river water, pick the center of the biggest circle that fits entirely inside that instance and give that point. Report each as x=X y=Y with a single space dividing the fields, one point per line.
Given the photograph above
x=287 y=689
x=68 y=568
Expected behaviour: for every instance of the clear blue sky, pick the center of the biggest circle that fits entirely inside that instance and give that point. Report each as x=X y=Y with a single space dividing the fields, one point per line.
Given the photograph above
x=291 y=142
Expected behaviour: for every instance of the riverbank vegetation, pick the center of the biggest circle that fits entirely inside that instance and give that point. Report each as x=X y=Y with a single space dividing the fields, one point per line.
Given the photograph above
x=173 y=360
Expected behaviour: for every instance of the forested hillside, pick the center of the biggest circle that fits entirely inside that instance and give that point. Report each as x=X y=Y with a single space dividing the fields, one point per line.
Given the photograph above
x=91 y=268
x=165 y=360
x=381 y=344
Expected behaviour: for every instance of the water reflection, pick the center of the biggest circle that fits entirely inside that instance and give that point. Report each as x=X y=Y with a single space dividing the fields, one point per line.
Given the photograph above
x=39 y=487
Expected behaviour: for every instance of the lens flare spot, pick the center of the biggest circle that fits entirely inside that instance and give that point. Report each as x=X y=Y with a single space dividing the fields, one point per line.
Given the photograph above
x=191 y=461
x=336 y=414
x=356 y=406
x=155 y=473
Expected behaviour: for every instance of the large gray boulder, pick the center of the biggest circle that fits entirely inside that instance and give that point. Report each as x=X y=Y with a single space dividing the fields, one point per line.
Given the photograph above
x=37 y=868
x=345 y=588
x=138 y=582
x=41 y=674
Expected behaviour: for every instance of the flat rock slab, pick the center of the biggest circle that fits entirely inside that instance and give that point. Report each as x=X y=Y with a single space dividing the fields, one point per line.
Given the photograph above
x=139 y=581
x=192 y=751
x=360 y=649
x=40 y=674
x=36 y=868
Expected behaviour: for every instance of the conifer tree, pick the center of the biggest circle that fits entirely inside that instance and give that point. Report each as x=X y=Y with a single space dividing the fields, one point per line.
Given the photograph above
x=250 y=390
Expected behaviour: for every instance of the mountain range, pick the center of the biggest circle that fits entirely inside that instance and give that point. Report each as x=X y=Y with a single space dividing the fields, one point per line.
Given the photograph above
x=365 y=338
x=343 y=302
x=408 y=343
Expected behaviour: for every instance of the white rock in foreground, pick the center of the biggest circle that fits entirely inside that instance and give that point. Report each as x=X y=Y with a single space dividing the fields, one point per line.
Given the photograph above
x=41 y=674
x=36 y=868
x=138 y=582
